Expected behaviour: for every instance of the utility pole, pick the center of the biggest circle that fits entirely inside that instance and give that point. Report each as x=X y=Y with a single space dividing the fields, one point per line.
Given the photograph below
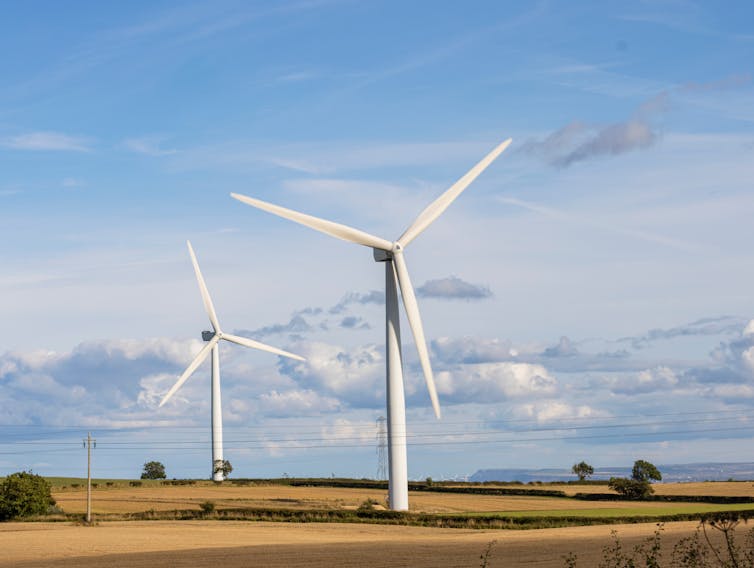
x=88 y=442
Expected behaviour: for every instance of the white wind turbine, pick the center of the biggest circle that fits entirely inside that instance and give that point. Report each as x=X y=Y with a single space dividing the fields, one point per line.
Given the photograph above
x=213 y=338
x=391 y=253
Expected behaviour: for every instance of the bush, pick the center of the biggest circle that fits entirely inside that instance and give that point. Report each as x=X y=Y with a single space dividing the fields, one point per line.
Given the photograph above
x=368 y=505
x=208 y=507
x=135 y=483
x=23 y=494
x=630 y=488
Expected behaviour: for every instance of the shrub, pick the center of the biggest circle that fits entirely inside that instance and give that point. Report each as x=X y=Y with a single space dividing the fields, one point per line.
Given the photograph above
x=23 y=494
x=368 y=505
x=630 y=488
x=208 y=507
x=135 y=483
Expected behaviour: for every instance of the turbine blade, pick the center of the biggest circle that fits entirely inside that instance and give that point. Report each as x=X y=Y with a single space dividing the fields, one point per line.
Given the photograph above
x=328 y=227
x=261 y=346
x=414 y=320
x=210 y=309
x=436 y=208
x=198 y=360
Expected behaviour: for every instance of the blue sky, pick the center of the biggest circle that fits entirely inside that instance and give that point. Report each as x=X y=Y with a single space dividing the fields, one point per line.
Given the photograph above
x=597 y=275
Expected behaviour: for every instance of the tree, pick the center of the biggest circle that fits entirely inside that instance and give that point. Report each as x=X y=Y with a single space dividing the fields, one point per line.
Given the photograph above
x=24 y=493
x=153 y=470
x=630 y=488
x=224 y=467
x=583 y=470
x=645 y=471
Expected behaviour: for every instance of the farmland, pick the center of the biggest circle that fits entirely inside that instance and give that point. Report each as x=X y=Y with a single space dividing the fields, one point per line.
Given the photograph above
x=235 y=545
x=117 y=541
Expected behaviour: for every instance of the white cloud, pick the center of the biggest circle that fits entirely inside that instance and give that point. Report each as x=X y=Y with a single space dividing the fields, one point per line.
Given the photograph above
x=149 y=145
x=492 y=382
x=41 y=141
x=296 y=402
x=453 y=288
x=749 y=329
x=552 y=411
x=355 y=375
x=648 y=380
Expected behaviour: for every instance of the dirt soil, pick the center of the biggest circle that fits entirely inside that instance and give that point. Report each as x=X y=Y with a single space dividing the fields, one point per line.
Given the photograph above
x=238 y=544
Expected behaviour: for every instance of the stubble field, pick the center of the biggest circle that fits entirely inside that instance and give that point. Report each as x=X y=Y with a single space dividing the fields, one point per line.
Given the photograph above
x=242 y=543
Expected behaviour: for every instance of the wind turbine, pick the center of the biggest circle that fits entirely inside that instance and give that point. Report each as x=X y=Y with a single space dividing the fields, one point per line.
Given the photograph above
x=391 y=253
x=213 y=338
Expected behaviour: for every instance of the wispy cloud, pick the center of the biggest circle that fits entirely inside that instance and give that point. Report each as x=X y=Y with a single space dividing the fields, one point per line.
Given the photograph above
x=706 y=326
x=70 y=183
x=371 y=297
x=149 y=145
x=588 y=221
x=47 y=141
x=579 y=141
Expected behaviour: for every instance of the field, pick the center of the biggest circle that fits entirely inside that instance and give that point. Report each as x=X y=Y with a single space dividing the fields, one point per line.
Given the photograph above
x=122 y=498
x=233 y=543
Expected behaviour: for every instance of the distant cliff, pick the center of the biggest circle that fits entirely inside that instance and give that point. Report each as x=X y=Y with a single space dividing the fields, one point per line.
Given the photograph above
x=676 y=472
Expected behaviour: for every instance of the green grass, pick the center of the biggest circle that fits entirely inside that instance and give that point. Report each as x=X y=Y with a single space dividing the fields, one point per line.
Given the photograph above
x=60 y=482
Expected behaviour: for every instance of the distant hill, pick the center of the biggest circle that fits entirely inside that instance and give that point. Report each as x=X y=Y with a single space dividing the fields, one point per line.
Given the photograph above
x=675 y=472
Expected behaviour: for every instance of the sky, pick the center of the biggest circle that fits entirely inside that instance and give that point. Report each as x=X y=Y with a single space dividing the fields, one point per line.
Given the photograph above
x=588 y=297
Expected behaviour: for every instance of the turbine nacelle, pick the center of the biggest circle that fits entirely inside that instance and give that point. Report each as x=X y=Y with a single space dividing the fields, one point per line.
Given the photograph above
x=208 y=335
x=381 y=255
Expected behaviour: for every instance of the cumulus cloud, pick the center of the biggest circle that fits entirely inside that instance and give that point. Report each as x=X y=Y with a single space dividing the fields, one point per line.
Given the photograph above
x=453 y=288
x=492 y=382
x=648 y=380
x=355 y=376
x=296 y=402
x=749 y=329
x=450 y=350
x=564 y=348
x=555 y=410
x=47 y=141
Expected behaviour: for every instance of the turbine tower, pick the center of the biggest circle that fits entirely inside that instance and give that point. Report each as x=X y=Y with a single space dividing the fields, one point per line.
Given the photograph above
x=391 y=253
x=213 y=338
